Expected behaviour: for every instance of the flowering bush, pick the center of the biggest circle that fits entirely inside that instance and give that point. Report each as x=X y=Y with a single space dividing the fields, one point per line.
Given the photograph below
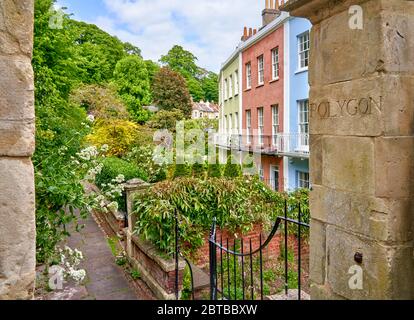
x=69 y=261
x=143 y=157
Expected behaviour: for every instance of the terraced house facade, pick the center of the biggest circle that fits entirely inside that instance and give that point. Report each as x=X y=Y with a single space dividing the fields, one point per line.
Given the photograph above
x=272 y=101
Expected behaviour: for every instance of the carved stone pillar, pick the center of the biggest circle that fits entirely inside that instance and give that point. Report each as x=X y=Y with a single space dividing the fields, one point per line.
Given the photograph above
x=17 y=203
x=362 y=147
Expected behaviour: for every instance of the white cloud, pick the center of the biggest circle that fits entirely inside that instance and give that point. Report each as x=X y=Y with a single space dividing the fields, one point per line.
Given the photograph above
x=210 y=29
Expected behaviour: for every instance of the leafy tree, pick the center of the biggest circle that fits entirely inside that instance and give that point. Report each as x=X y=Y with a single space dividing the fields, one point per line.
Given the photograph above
x=232 y=170
x=170 y=91
x=96 y=52
x=210 y=86
x=196 y=90
x=132 y=50
x=132 y=79
x=166 y=119
x=152 y=69
x=101 y=101
x=181 y=61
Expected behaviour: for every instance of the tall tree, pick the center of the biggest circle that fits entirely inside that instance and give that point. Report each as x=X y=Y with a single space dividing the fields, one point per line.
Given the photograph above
x=132 y=79
x=210 y=87
x=170 y=91
x=181 y=61
x=97 y=52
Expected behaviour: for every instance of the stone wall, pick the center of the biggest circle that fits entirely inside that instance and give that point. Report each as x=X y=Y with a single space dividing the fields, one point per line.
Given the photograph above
x=362 y=148
x=17 y=207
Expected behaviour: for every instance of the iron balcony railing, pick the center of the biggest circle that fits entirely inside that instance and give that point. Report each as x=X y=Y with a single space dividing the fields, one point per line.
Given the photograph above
x=283 y=144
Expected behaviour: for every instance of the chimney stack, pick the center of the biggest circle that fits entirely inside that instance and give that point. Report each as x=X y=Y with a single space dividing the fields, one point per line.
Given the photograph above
x=245 y=36
x=271 y=12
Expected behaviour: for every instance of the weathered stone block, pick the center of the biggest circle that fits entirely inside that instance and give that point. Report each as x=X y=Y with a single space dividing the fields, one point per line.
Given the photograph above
x=17 y=229
x=385 y=44
x=378 y=264
x=317 y=252
x=17 y=138
x=16 y=26
x=394 y=164
x=316 y=161
x=381 y=219
x=348 y=164
x=16 y=88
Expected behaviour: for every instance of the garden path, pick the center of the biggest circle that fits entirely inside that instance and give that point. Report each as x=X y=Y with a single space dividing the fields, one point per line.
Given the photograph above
x=105 y=280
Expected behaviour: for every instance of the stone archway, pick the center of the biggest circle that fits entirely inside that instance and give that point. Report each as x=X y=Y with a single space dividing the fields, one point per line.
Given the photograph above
x=17 y=123
x=362 y=163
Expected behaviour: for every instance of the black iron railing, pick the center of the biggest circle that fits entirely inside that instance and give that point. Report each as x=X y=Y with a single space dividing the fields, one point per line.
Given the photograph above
x=229 y=264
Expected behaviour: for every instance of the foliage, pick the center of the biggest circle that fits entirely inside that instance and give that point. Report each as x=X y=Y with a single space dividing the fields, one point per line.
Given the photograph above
x=132 y=50
x=232 y=169
x=204 y=124
x=114 y=167
x=214 y=170
x=118 y=135
x=198 y=170
x=132 y=80
x=96 y=52
x=142 y=157
x=166 y=119
x=196 y=89
x=210 y=86
x=181 y=171
x=236 y=203
x=170 y=91
x=181 y=61
x=100 y=100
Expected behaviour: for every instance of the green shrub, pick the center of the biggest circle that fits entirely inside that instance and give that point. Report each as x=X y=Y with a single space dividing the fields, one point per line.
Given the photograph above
x=112 y=168
x=181 y=171
x=214 y=170
x=232 y=170
x=237 y=204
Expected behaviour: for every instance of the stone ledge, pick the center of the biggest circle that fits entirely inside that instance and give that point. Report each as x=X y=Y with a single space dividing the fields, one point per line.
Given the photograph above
x=17 y=138
x=153 y=253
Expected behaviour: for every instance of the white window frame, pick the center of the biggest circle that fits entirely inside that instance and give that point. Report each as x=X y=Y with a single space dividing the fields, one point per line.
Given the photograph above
x=303 y=180
x=275 y=123
x=260 y=171
x=248 y=125
x=303 y=124
x=249 y=75
x=225 y=89
x=260 y=124
x=275 y=64
x=236 y=82
x=303 y=51
x=230 y=86
x=225 y=125
x=236 y=120
x=231 y=123
x=260 y=70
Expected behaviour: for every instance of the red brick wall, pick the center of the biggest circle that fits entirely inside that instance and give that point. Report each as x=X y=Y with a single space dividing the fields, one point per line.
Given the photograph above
x=271 y=92
x=271 y=251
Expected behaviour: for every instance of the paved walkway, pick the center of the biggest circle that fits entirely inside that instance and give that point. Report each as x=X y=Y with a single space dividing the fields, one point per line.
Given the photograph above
x=105 y=280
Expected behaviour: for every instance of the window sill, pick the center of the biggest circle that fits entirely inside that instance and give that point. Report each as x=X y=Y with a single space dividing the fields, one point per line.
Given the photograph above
x=247 y=90
x=274 y=80
x=301 y=70
x=260 y=85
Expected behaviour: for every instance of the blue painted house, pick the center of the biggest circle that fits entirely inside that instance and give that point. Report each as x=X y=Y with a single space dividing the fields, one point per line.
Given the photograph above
x=296 y=118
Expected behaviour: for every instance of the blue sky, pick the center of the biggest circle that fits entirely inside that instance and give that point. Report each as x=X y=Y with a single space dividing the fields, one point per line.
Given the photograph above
x=210 y=29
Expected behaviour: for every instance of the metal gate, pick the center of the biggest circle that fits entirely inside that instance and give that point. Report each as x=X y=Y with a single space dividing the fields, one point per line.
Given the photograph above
x=232 y=275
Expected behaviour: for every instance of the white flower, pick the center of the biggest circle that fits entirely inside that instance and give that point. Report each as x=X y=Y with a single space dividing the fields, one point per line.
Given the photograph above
x=90 y=118
x=105 y=148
